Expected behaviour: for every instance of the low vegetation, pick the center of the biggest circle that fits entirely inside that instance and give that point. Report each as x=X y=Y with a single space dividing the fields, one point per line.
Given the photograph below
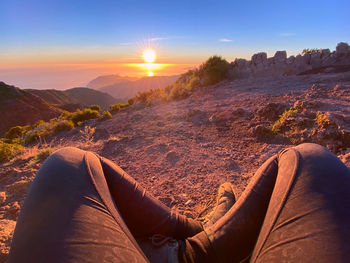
x=210 y=72
x=310 y=51
x=284 y=117
x=9 y=150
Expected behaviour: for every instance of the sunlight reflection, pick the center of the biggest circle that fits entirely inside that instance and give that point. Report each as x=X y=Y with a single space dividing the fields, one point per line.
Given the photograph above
x=150 y=68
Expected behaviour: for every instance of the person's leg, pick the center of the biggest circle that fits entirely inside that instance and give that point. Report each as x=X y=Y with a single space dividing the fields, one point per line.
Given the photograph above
x=302 y=216
x=69 y=215
x=144 y=214
x=232 y=238
x=308 y=219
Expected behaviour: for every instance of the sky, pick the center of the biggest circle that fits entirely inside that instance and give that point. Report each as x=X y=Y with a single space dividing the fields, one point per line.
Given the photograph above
x=65 y=43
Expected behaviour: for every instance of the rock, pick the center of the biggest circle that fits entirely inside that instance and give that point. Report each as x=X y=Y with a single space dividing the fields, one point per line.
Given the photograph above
x=315 y=59
x=271 y=111
x=280 y=56
x=325 y=53
x=260 y=132
x=172 y=157
x=2 y=198
x=342 y=48
x=259 y=58
x=240 y=62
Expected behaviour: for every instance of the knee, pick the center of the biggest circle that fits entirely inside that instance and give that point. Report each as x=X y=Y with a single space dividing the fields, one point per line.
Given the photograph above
x=63 y=162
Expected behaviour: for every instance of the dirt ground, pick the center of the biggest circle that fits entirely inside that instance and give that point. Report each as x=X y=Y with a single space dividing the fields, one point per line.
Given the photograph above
x=181 y=151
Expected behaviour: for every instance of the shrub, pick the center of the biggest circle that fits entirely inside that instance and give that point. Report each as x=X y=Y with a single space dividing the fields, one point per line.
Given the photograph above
x=291 y=112
x=63 y=125
x=16 y=132
x=106 y=115
x=31 y=137
x=38 y=123
x=43 y=154
x=95 y=107
x=88 y=134
x=84 y=115
x=213 y=70
x=9 y=150
x=310 y=51
x=179 y=91
x=192 y=83
x=114 y=107
x=118 y=106
x=131 y=101
x=66 y=115
x=322 y=120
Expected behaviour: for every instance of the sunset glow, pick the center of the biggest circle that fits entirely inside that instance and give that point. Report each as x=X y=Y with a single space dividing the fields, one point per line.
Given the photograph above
x=149 y=55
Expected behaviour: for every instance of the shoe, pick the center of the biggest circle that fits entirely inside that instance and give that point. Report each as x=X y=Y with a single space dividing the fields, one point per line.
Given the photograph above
x=160 y=249
x=225 y=199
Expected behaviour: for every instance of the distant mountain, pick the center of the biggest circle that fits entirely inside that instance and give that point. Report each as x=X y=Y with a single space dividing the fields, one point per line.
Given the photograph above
x=20 y=107
x=108 y=80
x=125 y=88
x=72 y=99
x=23 y=107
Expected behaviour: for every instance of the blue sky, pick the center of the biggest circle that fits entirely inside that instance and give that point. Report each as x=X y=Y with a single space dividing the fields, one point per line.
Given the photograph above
x=86 y=31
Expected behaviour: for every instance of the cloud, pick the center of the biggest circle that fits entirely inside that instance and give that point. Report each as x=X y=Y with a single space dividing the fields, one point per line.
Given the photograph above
x=287 y=34
x=126 y=44
x=157 y=38
x=225 y=40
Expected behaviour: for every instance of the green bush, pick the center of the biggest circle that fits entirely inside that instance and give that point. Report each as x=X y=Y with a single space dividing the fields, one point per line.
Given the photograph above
x=130 y=101
x=66 y=115
x=106 y=115
x=114 y=107
x=118 y=106
x=43 y=154
x=83 y=115
x=192 y=83
x=16 y=132
x=213 y=70
x=310 y=51
x=9 y=150
x=291 y=112
x=63 y=125
x=95 y=107
x=179 y=91
x=32 y=137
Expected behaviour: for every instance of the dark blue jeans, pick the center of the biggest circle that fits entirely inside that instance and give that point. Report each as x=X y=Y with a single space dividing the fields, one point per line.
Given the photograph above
x=84 y=208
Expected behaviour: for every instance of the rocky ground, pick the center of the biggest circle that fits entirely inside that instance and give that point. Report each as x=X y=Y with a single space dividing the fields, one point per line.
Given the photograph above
x=181 y=151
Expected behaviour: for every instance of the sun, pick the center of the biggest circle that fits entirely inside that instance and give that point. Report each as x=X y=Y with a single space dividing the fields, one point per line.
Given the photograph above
x=149 y=55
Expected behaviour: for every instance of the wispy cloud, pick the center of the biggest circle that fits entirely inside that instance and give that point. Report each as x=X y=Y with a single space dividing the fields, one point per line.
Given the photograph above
x=153 y=39
x=287 y=34
x=225 y=40
x=126 y=44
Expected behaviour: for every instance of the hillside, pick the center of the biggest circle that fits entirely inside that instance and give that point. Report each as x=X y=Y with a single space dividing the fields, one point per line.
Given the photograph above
x=71 y=99
x=24 y=107
x=108 y=80
x=20 y=107
x=182 y=150
x=125 y=88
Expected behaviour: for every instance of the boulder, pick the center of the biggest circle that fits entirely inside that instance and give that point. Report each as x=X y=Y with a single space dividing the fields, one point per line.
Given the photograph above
x=342 y=48
x=259 y=58
x=315 y=59
x=280 y=56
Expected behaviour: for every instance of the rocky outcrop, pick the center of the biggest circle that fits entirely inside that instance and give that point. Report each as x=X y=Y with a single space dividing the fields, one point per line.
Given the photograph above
x=278 y=65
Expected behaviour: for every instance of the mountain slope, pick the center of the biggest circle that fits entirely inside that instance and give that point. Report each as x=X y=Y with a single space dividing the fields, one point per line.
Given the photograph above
x=24 y=107
x=72 y=99
x=108 y=80
x=126 y=88
x=20 y=107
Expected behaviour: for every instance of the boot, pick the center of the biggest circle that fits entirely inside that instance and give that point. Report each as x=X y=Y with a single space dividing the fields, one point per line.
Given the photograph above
x=225 y=199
